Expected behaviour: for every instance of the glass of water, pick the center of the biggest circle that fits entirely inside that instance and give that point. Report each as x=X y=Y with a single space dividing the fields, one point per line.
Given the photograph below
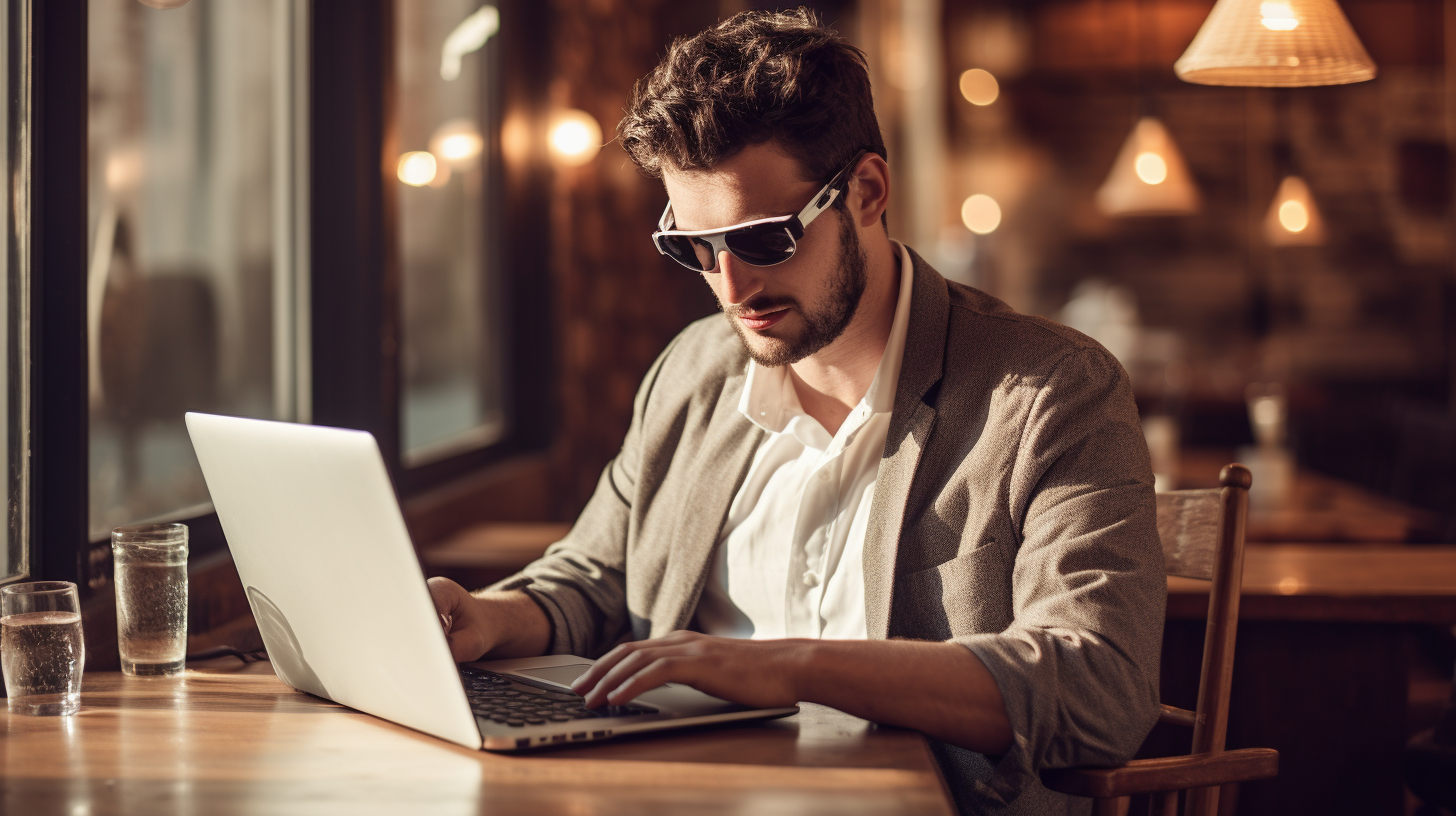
x=41 y=650
x=151 y=597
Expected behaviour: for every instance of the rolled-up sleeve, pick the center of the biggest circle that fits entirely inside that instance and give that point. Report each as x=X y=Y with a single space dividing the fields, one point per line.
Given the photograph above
x=1078 y=666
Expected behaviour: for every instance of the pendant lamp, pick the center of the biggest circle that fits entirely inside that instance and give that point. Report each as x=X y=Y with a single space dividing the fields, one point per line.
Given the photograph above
x=1293 y=219
x=1275 y=44
x=1149 y=176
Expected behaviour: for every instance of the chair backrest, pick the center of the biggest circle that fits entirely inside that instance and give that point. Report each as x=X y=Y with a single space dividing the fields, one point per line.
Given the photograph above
x=1202 y=533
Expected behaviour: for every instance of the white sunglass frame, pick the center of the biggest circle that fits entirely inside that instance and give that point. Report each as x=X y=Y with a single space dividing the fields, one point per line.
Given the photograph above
x=794 y=225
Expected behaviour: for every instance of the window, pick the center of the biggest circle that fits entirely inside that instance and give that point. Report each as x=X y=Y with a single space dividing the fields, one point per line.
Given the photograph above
x=220 y=234
x=192 y=269
x=452 y=370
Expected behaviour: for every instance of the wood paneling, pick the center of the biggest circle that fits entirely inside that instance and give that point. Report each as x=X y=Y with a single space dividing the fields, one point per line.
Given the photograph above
x=617 y=301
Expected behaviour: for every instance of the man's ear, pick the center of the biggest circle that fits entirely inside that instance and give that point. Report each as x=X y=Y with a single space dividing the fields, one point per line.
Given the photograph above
x=869 y=190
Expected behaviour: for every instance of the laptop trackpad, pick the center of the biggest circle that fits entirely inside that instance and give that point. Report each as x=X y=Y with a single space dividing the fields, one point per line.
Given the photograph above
x=560 y=675
x=566 y=675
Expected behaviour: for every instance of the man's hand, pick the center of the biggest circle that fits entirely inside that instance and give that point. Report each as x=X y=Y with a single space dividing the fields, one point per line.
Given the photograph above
x=941 y=689
x=469 y=632
x=757 y=673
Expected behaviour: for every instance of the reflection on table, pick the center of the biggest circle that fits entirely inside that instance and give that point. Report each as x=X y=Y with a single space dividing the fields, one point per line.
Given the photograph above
x=224 y=739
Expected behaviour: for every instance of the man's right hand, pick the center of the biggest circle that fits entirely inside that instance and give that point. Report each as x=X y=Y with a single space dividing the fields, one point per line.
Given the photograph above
x=497 y=624
x=470 y=634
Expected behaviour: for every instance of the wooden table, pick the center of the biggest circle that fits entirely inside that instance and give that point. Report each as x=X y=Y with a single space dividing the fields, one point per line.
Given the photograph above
x=1335 y=582
x=226 y=740
x=1320 y=670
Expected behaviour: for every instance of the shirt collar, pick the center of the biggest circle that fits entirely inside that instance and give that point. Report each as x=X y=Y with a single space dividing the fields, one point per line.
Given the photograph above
x=769 y=400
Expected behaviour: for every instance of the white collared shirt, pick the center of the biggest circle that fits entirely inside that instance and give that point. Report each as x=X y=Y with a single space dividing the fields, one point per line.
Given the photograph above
x=790 y=561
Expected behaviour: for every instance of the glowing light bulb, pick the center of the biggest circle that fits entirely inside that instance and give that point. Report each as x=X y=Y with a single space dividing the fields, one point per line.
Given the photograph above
x=1293 y=216
x=1278 y=16
x=417 y=168
x=1151 y=168
x=981 y=214
x=575 y=137
x=979 y=87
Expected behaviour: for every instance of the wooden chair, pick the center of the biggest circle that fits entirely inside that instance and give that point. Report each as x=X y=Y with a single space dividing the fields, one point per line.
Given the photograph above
x=1202 y=532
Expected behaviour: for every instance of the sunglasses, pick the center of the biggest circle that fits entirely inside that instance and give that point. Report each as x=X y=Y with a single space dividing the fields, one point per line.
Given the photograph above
x=764 y=242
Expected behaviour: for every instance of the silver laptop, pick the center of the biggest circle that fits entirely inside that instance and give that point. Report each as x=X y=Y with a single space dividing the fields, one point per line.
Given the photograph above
x=319 y=542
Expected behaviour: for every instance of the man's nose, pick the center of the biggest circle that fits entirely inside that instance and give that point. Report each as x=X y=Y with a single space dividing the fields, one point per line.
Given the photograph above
x=741 y=281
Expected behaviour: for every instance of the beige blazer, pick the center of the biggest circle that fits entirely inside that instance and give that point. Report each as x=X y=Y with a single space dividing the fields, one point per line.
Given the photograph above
x=1013 y=513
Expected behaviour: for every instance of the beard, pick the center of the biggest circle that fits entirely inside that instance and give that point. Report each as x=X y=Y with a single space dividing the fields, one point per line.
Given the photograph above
x=825 y=321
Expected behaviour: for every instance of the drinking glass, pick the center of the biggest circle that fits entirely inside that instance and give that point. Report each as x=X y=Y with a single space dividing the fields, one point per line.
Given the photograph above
x=151 y=597
x=41 y=650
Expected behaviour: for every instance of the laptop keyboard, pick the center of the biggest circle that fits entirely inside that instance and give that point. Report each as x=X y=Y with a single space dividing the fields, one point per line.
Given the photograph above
x=512 y=702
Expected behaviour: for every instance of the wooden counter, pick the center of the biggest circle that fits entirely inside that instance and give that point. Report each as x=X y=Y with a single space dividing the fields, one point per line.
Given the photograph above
x=227 y=740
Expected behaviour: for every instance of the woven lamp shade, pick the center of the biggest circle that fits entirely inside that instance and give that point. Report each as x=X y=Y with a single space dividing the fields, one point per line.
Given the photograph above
x=1149 y=176
x=1285 y=44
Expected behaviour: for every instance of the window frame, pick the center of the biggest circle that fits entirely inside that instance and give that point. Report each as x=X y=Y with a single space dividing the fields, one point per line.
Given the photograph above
x=17 y=49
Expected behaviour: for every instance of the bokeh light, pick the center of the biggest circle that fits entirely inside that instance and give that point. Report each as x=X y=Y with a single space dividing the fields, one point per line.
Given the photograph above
x=981 y=214
x=1294 y=216
x=575 y=137
x=1151 y=168
x=417 y=168
x=979 y=87
x=457 y=141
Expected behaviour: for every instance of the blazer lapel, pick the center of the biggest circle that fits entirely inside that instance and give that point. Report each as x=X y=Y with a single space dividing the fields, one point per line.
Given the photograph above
x=724 y=457
x=910 y=426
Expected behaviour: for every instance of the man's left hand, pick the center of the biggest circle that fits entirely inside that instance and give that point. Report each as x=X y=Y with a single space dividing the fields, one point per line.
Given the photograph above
x=757 y=673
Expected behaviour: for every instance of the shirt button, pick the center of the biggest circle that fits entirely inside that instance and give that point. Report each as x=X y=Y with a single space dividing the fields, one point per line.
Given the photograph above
x=811 y=580
x=823 y=475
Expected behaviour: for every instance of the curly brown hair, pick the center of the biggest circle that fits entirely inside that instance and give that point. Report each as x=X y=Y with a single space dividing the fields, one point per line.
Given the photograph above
x=755 y=77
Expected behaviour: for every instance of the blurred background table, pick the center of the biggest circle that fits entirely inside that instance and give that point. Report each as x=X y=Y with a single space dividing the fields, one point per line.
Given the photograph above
x=1322 y=670
x=224 y=739
x=1316 y=508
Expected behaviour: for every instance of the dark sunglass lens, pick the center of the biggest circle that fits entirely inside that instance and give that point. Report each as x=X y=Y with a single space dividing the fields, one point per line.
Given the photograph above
x=764 y=245
x=683 y=250
x=707 y=258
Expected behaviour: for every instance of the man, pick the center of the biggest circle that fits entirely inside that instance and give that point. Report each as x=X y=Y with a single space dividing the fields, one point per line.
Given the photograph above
x=869 y=488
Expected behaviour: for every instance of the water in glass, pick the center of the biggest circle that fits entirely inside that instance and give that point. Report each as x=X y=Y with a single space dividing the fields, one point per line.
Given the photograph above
x=151 y=598
x=42 y=653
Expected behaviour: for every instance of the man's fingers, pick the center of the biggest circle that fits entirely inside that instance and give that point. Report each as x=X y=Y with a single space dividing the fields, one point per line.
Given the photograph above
x=657 y=673
x=462 y=627
x=608 y=688
x=585 y=683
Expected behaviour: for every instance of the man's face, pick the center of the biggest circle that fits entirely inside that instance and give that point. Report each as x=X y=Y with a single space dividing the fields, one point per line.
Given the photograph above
x=787 y=312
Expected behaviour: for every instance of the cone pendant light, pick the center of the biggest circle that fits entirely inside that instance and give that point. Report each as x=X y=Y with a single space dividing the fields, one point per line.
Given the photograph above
x=1293 y=219
x=1149 y=176
x=1275 y=43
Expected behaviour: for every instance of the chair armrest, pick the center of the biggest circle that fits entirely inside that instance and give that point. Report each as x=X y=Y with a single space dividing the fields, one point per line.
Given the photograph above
x=1165 y=773
x=1177 y=716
